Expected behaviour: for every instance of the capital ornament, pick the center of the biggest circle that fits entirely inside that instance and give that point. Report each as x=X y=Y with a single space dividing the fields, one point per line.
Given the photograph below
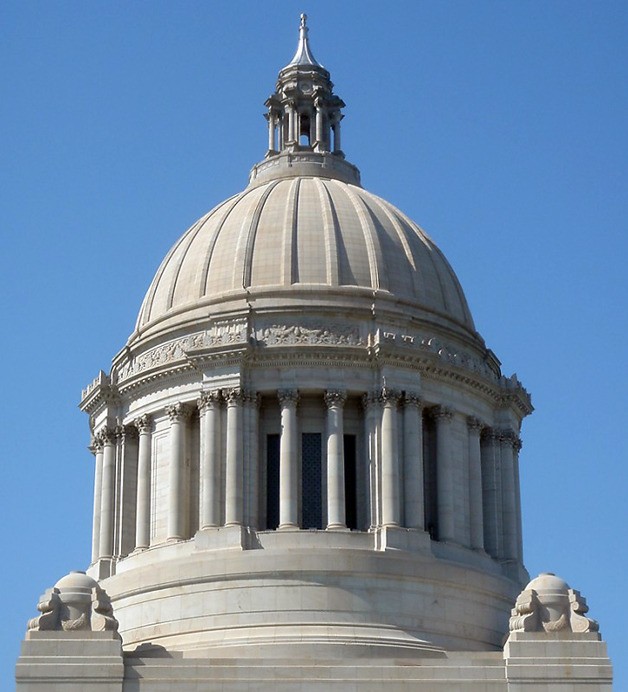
x=177 y=412
x=209 y=400
x=143 y=424
x=443 y=413
x=233 y=396
x=475 y=424
x=334 y=397
x=288 y=397
x=390 y=396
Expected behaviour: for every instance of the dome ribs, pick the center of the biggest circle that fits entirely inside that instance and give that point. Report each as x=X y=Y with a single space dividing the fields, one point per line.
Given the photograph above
x=243 y=265
x=331 y=234
x=289 y=269
x=377 y=266
x=408 y=241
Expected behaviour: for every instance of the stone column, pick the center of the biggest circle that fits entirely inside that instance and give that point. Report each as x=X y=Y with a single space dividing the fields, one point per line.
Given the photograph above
x=491 y=493
x=371 y=404
x=516 y=450
x=319 y=126
x=252 y=474
x=476 y=510
x=142 y=516
x=288 y=472
x=209 y=467
x=107 y=497
x=390 y=459
x=336 y=508
x=291 y=122
x=507 y=440
x=444 y=474
x=176 y=523
x=413 y=500
x=234 y=490
x=271 y=131
x=97 y=448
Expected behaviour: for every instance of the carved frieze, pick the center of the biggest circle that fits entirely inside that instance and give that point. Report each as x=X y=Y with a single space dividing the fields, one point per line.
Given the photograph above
x=312 y=334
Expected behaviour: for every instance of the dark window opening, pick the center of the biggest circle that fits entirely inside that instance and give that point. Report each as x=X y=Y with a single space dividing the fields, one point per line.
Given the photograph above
x=351 y=499
x=429 y=476
x=311 y=481
x=272 y=481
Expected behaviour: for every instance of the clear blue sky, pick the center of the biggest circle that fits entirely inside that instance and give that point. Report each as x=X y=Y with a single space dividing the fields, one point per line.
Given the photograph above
x=500 y=127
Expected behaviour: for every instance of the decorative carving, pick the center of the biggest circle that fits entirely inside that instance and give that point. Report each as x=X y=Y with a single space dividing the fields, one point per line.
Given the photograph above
x=371 y=399
x=177 y=412
x=288 y=397
x=124 y=433
x=96 y=444
x=548 y=604
x=507 y=437
x=143 y=424
x=443 y=413
x=334 y=397
x=233 y=396
x=475 y=424
x=290 y=335
x=107 y=436
x=489 y=434
x=390 y=396
x=252 y=398
x=75 y=603
x=412 y=399
x=209 y=400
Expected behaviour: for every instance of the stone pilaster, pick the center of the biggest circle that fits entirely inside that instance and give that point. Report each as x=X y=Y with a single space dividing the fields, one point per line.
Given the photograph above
x=507 y=441
x=107 y=498
x=491 y=492
x=372 y=416
x=252 y=401
x=97 y=449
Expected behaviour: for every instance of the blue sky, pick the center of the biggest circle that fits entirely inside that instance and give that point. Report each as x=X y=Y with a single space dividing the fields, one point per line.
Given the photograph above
x=500 y=127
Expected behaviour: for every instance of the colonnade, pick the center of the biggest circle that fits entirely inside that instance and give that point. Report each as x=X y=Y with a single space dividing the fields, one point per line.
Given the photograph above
x=476 y=494
x=287 y=126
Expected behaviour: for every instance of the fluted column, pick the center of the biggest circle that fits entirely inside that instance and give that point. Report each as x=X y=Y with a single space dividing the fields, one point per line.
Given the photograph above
x=491 y=492
x=444 y=474
x=414 y=501
x=209 y=466
x=234 y=490
x=476 y=510
x=288 y=472
x=252 y=474
x=107 y=493
x=371 y=404
x=97 y=448
x=142 y=516
x=507 y=440
x=336 y=508
x=390 y=459
x=176 y=524
x=271 y=131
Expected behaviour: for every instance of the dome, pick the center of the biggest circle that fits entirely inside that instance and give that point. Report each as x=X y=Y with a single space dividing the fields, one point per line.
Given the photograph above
x=303 y=234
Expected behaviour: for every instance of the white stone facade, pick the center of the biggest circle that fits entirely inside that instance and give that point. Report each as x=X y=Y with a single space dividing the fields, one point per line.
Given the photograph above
x=306 y=459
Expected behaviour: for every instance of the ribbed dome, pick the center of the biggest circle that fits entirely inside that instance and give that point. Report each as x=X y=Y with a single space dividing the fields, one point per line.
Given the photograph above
x=303 y=232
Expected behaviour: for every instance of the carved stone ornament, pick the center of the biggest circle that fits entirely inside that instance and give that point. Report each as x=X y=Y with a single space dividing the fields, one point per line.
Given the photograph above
x=334 y=397
x=233 y=396
x=548 y=604
x=209 y=400
x=412 y=399
x=315 y=334
x=177 y=412
x=371 y=400
x=75 y=603
x=390 y=396
x=107 y=436
x=442 y=413
x=288 y=397
x=143 y=424
x=475 y=424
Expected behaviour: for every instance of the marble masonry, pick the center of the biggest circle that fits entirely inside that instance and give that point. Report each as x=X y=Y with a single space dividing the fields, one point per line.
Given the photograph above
x=307 y=461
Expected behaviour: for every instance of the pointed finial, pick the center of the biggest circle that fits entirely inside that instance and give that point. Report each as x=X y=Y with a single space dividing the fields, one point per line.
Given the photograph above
x=304 y=56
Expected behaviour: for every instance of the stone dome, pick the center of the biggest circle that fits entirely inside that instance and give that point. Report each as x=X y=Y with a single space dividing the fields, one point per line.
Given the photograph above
x=297 y=234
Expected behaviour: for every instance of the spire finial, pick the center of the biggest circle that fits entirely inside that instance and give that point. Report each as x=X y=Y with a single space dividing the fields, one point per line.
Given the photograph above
x=304 y=56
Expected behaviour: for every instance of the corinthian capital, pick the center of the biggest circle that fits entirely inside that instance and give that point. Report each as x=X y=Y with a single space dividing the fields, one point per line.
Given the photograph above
x=208 y=400
x=412 y=399
x=443 y=413
x=390 y=396
x=143 y=423
x=107 y=436
x=177 y=412
x=474 y=424
x=233 y=396
x=288 y=397
x=334 y=397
